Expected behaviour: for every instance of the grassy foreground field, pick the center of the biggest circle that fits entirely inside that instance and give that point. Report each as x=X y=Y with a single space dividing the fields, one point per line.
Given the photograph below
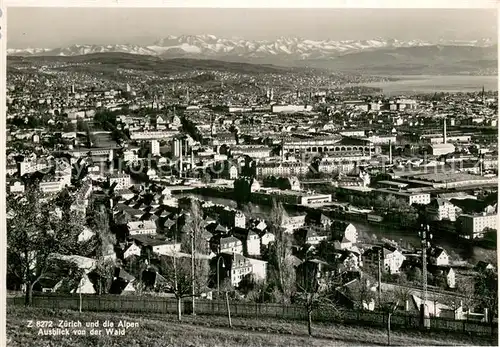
x=203 y=331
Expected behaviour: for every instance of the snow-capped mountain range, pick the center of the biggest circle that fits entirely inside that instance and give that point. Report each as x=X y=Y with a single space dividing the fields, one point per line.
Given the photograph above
x=210 y=46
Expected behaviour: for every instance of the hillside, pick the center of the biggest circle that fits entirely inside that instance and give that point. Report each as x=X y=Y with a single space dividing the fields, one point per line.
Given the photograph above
x=413 y=60
x=107 y=62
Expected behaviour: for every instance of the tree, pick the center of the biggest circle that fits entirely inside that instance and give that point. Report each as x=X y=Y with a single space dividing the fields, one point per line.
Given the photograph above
x=315 y=292
x=206 y=178
x=34 y=235
x=103 y=240
x=389 y=305
x=194 y=243
x=362 y=293
x=466 y=289
x=248 y=210
x=440 y=280
x=402 y=291
x=280 y=260
x=177 y=273
x=104 y=272
x=486 y=289
x=100 y=245
x=81 y=125
x=415 y=275
x=69 y=127
x=74 y=280
x=390 y=200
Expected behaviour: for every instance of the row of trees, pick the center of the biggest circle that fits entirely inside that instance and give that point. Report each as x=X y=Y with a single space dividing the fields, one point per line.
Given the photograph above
x=36 y=235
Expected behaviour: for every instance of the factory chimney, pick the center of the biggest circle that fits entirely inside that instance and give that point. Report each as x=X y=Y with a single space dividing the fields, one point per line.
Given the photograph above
x=444 y=130
x=390 y=152
x=282 y=153
x=180 y=156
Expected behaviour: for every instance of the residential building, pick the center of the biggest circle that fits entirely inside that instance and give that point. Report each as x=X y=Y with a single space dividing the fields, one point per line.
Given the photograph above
x=155 y=147
x=392 y=259
x=249 y=239
x=312 y=237
x=239 y=220
x=141 y=227
x=122 y=180
x=131 y=250
x=342 y=244
x=409 y=197
x=152 y=135
x=346 y=230
x=439 y=257
x=472 y=226
x=267 y=238
x=441 y=209
x=291 y=108
x=281 y=169
x=158 y=244
x=230 y=245
x=235 y=266
x=16 y=187
x=291 y=223
x=259 y=269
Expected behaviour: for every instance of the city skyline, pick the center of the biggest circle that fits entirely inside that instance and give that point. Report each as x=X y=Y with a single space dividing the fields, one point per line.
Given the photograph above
x=57 y=27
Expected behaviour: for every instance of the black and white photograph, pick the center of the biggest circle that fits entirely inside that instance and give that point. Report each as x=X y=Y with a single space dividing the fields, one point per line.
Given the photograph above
x=250 y=176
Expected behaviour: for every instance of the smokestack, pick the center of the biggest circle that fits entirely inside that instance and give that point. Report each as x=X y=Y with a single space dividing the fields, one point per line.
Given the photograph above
x=444 y=130
x=390 y=152
x=282 y=150
x=180 y=156
x=481 y=163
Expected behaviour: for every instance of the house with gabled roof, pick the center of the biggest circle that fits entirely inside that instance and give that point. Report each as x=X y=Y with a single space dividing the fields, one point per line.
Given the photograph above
x=123 y=282
x=291 y=223
x=158 y=244
x=230 y=245
x=342 y=229
x=343 y=243
x=267 y=238
x=141 y=227
x=391 y=258
x=86 y=234
x=250 y=240
x=438 y=256
x=152 y=280
x=235 y=266
x=483 y=266
x=131 y=250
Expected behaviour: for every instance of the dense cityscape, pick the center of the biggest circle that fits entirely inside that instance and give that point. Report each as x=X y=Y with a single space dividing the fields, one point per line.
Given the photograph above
x=302 y=192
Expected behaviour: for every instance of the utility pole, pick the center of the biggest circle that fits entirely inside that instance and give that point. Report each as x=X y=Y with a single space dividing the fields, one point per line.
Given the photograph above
x=193 y=292
x=379 y=276
x=175 y=272
x=425 y=237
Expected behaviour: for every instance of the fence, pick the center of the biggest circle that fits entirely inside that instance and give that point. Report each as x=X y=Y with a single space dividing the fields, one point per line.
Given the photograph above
x=162 y=305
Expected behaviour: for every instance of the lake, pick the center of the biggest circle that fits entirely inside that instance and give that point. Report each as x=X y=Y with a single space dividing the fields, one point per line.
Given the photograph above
x=419 y=84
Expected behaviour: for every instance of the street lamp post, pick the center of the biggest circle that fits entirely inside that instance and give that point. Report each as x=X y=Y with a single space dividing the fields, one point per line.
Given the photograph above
x=425 y=237
x=218 y=281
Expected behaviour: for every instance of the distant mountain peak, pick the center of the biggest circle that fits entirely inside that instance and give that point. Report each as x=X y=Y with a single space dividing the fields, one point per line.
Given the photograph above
x=211 y=46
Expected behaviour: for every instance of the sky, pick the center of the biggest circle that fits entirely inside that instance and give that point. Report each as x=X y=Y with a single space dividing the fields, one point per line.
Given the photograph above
x=58 y=27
